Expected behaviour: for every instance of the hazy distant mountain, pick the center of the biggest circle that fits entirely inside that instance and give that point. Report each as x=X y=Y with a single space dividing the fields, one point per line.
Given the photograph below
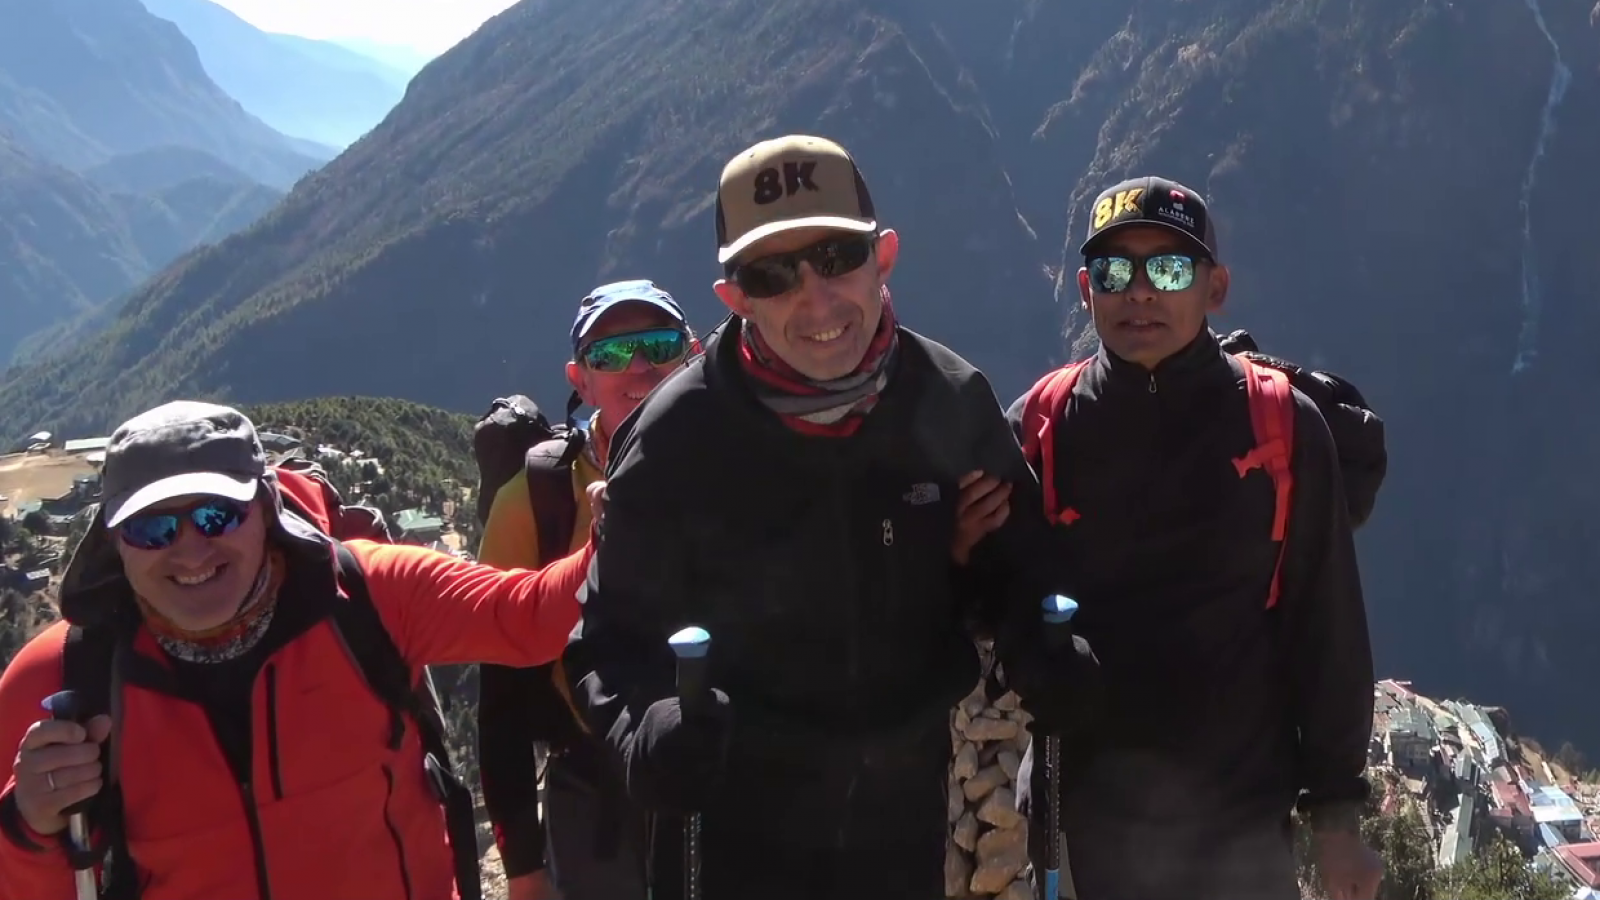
x=159 y=168
x=82 y=81
x=311 y=89
x=407 y=59
x=70 y=243
x=339 y=56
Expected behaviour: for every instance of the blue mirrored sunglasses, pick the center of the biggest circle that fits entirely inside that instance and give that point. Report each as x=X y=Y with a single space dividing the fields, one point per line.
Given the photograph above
x=157 y=530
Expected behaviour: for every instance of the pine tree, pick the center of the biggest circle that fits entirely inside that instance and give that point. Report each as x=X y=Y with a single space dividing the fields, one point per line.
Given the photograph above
x=1407 y=852
x=1499 y=872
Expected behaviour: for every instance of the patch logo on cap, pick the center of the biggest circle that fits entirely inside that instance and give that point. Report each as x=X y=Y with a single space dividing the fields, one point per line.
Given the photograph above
x=1124 y=205
x=1173 y=212
x=772 y=185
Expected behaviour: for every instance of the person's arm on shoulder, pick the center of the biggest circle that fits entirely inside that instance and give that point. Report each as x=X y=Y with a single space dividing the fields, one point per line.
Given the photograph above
x=506 y=760
x=1330 y=651
x=1008 y=571
x=617 y=662
x=32 y=865
x=1011 y=570
x=442 y=609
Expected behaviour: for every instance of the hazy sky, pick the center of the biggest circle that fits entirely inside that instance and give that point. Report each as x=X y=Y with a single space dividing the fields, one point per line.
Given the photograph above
x=431 y=25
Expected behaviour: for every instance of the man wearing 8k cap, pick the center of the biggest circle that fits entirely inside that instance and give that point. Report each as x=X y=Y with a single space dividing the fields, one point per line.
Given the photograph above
x=626 y=338
x=1236 y=685
x=796 y=491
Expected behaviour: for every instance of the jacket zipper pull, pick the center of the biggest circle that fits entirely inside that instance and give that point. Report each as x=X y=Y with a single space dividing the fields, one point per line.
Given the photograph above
x=1152 y=382
x=888 y=533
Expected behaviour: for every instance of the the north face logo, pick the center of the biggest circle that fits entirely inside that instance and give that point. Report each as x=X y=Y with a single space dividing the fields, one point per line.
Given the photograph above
x=922 y=494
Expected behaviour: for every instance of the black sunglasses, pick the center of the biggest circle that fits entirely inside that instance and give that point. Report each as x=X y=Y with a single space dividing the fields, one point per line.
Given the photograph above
x=779 y=273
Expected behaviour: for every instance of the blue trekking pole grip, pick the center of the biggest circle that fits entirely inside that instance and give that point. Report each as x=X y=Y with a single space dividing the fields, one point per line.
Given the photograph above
x=692 y=647
x=1058 y=611
x=63 y=706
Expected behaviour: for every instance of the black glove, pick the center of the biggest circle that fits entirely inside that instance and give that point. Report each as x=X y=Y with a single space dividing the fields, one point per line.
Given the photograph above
x=1059 y=686
x=676 y=761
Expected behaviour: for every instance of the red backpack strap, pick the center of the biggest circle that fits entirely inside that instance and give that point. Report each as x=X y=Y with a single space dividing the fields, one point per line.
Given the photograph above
x=1272 y=417
x=1045 y=402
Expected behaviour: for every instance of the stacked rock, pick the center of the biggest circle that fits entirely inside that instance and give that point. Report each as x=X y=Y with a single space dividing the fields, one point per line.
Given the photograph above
x=988 y=850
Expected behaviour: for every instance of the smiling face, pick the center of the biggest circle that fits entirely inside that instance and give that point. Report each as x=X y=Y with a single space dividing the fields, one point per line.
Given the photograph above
x=197 y=582
x=821 y=326
x=1139 y=323
x=617 y=394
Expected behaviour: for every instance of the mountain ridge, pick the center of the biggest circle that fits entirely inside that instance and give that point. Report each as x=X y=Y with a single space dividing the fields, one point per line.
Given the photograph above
x=299 y=86
x=405 y=59
x=69 y=245
x=71 y=91
x=158 y=168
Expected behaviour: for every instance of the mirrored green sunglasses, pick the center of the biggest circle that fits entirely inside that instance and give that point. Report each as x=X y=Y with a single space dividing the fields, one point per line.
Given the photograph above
x=614 y=353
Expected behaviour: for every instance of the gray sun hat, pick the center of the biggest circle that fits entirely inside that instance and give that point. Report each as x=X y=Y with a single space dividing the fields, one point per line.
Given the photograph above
x=178 y=449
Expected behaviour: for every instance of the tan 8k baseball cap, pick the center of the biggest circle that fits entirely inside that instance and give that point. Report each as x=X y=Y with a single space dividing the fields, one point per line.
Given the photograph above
x=798 y=181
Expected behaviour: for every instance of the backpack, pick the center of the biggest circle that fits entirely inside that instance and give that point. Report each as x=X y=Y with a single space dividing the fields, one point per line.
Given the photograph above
x=92 y=665
x=1358 y=433
x=1269 y=388
x=515 y=436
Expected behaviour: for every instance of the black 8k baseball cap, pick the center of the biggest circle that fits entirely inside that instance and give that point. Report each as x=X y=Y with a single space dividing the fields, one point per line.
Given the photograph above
x=1151 y=201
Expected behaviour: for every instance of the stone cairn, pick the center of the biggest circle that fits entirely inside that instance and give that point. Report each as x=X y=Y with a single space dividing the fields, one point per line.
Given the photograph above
x=988 y=851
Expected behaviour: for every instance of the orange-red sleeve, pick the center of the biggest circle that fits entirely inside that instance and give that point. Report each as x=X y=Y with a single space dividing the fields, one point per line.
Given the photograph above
x=27 y=872
x=442 y=609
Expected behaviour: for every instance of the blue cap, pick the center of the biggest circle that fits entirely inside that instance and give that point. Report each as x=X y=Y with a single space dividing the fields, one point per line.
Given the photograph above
x=607 y=296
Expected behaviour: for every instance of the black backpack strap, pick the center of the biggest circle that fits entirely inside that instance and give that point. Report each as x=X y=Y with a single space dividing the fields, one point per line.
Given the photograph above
x=548 y=466
x=387 y=673
x=92 y=665
x=555 y=511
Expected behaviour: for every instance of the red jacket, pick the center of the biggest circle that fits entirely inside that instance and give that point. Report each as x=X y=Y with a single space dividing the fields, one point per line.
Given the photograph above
x=341 y=817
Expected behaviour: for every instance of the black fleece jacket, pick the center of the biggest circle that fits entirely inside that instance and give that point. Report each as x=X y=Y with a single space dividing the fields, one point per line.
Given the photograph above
x=841 y=630
x=1248 y=710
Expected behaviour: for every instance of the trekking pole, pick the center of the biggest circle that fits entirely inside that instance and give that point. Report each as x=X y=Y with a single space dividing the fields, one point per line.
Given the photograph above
x=691 y=646
x=63 y=706
x=1058 y=611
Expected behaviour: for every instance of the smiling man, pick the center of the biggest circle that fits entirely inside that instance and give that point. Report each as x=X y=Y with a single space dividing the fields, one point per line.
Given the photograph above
x=626 y=338
x=241 y=743
x=1237 y=665
x=795 y=491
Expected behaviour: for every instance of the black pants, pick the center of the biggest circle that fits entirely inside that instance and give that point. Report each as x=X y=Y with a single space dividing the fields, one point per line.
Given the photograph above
x=1154 y=856
x=776 y=872
x=577 y=842
x=771 y=837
